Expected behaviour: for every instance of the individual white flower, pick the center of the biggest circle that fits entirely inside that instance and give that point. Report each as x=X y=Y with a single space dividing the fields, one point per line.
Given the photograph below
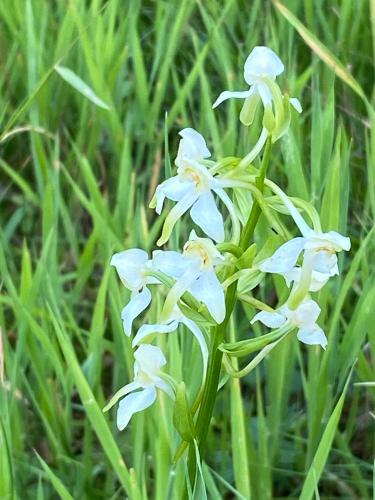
x=194 y=271
x=148 y=361
x=261 y=65
x=303 y=317
x=132 y=266
x=170 y=325
x=192 y=189
x=319 y=250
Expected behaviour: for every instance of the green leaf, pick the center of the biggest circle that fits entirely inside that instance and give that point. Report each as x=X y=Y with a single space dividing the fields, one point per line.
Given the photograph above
x=78 y=84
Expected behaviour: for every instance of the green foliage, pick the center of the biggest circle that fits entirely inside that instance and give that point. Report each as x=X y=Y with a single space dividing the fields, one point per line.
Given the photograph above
x=74 y=178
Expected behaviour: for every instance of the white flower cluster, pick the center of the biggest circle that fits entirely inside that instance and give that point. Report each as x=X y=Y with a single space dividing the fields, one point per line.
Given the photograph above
x=197 y=272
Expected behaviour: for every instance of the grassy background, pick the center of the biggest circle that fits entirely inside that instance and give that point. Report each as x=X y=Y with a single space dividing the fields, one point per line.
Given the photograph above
x=75 y=181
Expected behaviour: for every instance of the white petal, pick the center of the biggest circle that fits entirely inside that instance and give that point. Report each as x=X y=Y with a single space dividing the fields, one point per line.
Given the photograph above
x=227 y=94
x=129 y=265
x=262 y=61
x=206 y=215
x=174 y=189
x=305 y=314
x=165 y=387
x=135 y=306
x=208 y=289
x=170 y=262
x=296 y=104
x=148 y=361
x=270 y=319
x=285 y=257
x=201 y=341
x=180 y=287
x=134 y=403
x=312 y=335
x=121 y=393
x=325 y=262
x=193 y=145
x=338 y=240
x=147 y=330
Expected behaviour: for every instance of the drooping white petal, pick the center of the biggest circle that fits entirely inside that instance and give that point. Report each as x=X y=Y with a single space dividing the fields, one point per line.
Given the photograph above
x=174 y=189
x=135 y=306
x=271 y=319
x=165 y=387
x=208 y=289
x=206 y=215
x=129 y=265
x=200 y=338
x=177 y=211
x=133 y=403
x=236 y=228
x=332 y=240
x=192 y=145
x=262 y=61
x=227 y=94
x=121 y=393
x=296 y=104
x=285 y=257
x=147 y=330
x=170 y=262
x=312 y=335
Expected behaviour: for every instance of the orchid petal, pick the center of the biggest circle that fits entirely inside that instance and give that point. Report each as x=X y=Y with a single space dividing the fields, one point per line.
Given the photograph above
x=149 y=359
x=147 y=330
x=285 y=257
x=192 y=145
x=201 y=341
x=134 y=403
x=312 y=335
x=208 y=289
x=136 y=305
x=262 y=61
x=121 y=393
x=174 y=189
x=179 y=288
x=206 y=215
x=270 y=319
x=227 y=94
x=129 y=264
x=170 y=262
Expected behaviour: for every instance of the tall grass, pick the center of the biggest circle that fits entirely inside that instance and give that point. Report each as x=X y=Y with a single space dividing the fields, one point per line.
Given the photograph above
x=75 y=181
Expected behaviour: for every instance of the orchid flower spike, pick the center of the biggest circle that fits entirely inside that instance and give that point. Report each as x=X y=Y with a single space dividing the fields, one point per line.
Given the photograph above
x=260 y=70
x=303 y=317
x=170 y=325
x=192 y=189
x=148 y=361
x=132 y=266
x=194 y=271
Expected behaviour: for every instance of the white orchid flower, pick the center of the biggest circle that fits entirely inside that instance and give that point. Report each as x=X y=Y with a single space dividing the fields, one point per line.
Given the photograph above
x=194 y=271
x=319 y=250
x=171 y=325
x=192 y=189
x=148 y=361
x=303 y=317
x=261 y=65
x=132 y=266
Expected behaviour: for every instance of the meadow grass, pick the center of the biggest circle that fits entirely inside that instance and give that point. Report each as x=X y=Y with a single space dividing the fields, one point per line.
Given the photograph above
x=76 y=180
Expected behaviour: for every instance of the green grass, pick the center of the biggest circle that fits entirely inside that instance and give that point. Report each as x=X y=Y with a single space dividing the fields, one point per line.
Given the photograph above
x=75 y=182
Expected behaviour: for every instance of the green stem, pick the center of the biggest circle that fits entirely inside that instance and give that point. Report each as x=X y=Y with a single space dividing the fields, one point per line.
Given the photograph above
x=218 y=332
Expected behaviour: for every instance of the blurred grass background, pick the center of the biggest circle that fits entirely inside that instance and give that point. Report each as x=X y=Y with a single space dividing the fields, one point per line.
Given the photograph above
x=75 y=181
